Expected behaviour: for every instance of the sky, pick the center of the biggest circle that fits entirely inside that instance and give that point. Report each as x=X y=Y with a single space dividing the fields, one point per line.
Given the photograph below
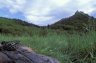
x=44 y=12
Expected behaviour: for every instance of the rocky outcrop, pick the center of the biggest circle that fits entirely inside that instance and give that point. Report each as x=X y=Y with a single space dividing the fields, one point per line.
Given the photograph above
x=14 y=52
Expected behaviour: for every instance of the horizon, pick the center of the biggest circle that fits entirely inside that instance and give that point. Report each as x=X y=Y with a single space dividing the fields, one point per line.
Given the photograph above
x=44 y=12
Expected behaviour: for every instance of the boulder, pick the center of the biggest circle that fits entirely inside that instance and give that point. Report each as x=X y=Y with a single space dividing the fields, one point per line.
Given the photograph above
x=14 y=52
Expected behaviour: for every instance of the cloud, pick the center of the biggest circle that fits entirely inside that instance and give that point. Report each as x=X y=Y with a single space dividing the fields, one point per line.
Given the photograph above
x=44 y=12
x=41 y=11
x=13 y=5
x=86 y=6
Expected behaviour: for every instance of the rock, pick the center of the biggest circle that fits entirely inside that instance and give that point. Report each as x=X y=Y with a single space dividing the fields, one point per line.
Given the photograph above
x=14 y=52
x=4 y=58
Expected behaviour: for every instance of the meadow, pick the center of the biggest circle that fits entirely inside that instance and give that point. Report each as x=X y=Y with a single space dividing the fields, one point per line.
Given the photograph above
x=67 y=48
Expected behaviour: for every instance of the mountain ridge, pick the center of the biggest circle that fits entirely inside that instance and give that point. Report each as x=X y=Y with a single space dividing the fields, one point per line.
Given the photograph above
x=76 y=21
x=16 y=26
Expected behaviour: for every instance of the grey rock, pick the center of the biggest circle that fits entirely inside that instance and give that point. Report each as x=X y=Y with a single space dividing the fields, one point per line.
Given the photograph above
x=13 y=52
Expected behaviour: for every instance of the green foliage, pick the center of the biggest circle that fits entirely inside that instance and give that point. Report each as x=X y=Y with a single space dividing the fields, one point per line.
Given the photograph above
x=79 y=21
x=67 y=48
x=16 y=27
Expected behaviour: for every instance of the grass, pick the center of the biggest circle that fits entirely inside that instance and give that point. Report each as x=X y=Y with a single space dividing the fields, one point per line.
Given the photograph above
x=66 y=48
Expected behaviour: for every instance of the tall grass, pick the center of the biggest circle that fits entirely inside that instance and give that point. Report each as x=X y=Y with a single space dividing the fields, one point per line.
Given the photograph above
x=67 y=48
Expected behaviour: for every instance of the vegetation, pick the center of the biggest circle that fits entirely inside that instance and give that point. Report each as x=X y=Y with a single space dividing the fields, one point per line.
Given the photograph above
x=66 y=48
x=60 y=40
x=16 y=27
x=79 y=22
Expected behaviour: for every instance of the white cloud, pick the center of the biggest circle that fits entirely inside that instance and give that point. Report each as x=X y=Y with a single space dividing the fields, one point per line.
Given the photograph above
x=41 y=10
x=58 y=3
x=37 y=11
x=37 y=19
x=83 y=2
x=13 y=5
x=86 y=6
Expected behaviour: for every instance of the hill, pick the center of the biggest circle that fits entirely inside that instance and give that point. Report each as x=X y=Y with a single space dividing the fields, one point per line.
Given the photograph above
x=16 y=26
x=79 y=21
x=67 y=48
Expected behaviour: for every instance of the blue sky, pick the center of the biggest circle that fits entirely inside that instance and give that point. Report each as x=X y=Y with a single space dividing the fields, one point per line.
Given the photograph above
x=44 y=12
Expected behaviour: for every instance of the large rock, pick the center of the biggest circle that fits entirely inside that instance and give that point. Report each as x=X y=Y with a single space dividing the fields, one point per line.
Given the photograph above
x=14 y=52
